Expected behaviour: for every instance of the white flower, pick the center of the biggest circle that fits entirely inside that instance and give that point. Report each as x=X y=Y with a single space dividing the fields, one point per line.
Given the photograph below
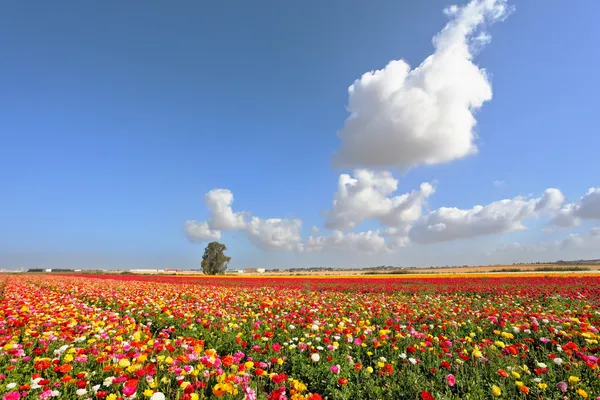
x=95 y=388
x=108 y=381
x=11 y=385
x=382 y=359
x=315 y=327
x=516 y=329
x=537 y=380
x=81 y=392
x=403 y=356
x=292 y=327
x=558 y=361
x=55 y=393
x=315 y=357
x=412 y=361
x=320 y=348
x=157 y=396
x=541 y=365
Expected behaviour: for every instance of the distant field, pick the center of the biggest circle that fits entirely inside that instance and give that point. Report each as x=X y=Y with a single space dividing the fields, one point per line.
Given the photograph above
x=445 y=271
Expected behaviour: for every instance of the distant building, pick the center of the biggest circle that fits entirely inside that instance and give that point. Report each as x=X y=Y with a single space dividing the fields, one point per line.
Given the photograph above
x=254 y=270
x=147 y=271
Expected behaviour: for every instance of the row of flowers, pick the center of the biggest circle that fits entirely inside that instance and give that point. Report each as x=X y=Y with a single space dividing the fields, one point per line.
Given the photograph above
x=85 y=338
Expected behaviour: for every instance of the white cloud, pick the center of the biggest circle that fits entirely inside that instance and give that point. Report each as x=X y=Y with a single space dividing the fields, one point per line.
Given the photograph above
x=274 y=233
x=367 y=196
x=587 y=209
x=403 y=117
x=369 y=242
x=268 y=234
x=200 y=231
x=499 y=183
x=574 y=246
x=580 y=241
x=445 y=224
x=222 y=216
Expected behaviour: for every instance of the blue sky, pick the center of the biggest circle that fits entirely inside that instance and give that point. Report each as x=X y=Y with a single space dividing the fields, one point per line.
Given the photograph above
x=116 y=119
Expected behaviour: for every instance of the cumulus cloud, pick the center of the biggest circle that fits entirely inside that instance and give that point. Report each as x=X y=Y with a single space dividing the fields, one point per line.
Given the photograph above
x=367 y=195
x=587 y=209
x=222 y=216
x=573 y=244
x=274 y=233
x=200 y=231
x=268 y=234
x=369 y=242
x=445 y=224
x=406 y=117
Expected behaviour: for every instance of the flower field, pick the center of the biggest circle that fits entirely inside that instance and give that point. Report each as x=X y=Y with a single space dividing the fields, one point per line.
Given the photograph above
x=124 y=337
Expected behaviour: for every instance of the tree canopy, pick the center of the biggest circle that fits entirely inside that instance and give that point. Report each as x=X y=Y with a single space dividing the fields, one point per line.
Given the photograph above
x=214 y=260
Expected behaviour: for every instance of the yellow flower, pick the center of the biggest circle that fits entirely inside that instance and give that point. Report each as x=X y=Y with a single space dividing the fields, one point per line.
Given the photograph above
x=582 y=393
x=519 y=383
x=111 y=396
x=370 y=370
x=219 y=390
x=194 y=396
x=477 y=353
x=299 y=386
x=542 y=386
x=573 y=379
x=516 y=374
x=68 y=358
x=124 y=363
x=496 y=392
x=148 y=392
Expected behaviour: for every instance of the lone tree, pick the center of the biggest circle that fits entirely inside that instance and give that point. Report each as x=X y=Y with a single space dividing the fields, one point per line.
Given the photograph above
x=214 y=260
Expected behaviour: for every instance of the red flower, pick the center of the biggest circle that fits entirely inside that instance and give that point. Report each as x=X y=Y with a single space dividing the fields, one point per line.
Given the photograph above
x=41 y=365
x=426 y=396
x=503 y=373
x=342 y=381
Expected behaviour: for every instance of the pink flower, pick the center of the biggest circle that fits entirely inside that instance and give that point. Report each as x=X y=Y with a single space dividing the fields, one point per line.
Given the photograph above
x=562 y=386
x=12 y=396
x=129 y=390
x=450 y=380
x=276 y=347
x=335 y=369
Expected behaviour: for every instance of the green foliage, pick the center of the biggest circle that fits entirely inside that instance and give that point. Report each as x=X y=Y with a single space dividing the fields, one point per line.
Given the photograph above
x=214 y=260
